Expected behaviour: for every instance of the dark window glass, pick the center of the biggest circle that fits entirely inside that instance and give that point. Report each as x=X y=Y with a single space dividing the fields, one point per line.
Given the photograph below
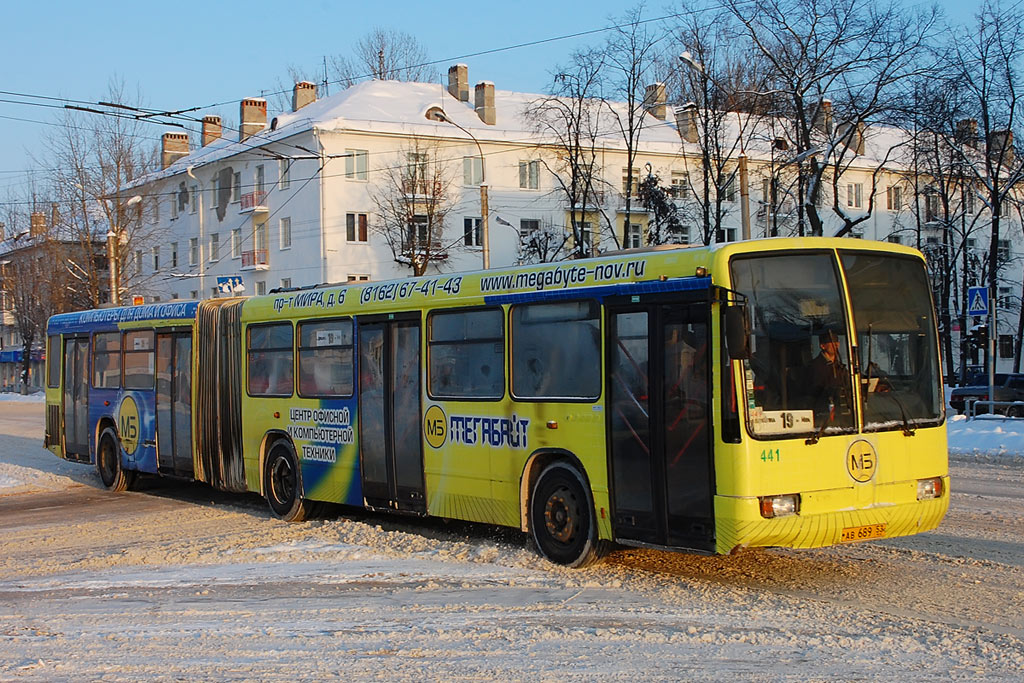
x=467 y=354
x=106 y=360
x=53 y=356
x=325 y=358
x=556 y=351
x=138 y=360
x=270 y=360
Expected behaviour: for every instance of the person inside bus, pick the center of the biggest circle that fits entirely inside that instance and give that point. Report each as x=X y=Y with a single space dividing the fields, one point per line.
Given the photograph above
x=827 y=376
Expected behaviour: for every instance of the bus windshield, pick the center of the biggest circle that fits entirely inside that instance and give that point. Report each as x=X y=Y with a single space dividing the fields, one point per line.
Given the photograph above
x=898 y=358
x=798 y=380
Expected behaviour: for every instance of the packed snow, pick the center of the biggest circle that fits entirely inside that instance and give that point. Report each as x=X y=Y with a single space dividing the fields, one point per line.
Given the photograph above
x=180 y=581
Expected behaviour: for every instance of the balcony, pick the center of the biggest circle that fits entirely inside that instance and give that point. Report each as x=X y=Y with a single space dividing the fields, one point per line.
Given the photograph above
x=435 y=252
x=255 y=259
x=254 y=202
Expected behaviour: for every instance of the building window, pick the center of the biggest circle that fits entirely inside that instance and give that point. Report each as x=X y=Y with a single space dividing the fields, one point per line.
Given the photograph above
x=194 y=294
x=174 y=206
x=729 y=191
x=630 y=184
x=236 y=243
x=260 y=178
x=261 y=287
x=932 y=209
x=214 y=292
x=193 y=251
x=1006 y=346
x=269 y=360
x=236 y=187
x=472 y=170
x=286 y=283
x=215 y=203
x=356 y=164
x=174 y=254
x=356 y=227
x=680 y=188
x=138 y=261
x=214 y=247
x=358 y=278
x=259 y=236
x=726 y=235
x=969 y=201
x=156 y=259
x=326 y=358
x=471 y=232
x=1003 y=250
x=285 y=170
x=466 y=354
x=529 y=175
x=894 y=239
x=193 y=199
x=419 y=227
x=528 y=226
x=855 y=195
x=894 y=198
x=1003 y=300
x=286 y=233
x=633 y=237
x=583 y=229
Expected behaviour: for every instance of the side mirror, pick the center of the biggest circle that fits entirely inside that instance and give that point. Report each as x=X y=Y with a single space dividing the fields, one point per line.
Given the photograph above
x=737 y=331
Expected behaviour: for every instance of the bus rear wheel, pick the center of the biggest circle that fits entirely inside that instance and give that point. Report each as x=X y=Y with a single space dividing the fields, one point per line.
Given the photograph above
x=282 y=482
x=108 y=463
x=562 y=518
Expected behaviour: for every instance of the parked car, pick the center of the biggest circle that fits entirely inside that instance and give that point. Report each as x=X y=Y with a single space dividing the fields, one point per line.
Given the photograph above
x=1009 y=386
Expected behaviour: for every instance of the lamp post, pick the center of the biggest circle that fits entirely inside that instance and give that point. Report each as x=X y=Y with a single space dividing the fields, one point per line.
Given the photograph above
x=113 y=249
x=485 y=241
x=687 y=59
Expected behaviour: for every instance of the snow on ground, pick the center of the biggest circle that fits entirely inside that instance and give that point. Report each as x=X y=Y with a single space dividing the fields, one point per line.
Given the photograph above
x=989 y=438
x=38 y=397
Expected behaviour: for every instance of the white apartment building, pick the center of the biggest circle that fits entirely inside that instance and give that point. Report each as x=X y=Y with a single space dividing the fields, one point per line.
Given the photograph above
x=289 y=202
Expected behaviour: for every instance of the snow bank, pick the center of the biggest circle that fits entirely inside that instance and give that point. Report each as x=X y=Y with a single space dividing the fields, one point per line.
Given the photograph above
x=38 y=397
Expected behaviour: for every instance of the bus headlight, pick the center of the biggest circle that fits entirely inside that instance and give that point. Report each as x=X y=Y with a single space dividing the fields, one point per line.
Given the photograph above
x=779 y=506
x=929 y=488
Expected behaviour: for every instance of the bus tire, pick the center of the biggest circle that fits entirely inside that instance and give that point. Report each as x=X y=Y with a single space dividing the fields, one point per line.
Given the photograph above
x=282 y=483
x=562 y=518
x=108 y=463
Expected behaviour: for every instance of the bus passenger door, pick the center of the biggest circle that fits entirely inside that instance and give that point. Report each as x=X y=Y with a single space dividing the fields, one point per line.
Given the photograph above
x=390 y=416
x=660 y=424
x=76 y=398
x=174 y=403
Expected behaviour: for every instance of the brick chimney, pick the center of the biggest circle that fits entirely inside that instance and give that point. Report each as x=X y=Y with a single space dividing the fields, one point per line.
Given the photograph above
x=485 y=102
x=253 y=116
x=458 y=82
x=686 y=122
x=967 y=132
x=823 y=118
x=1000 y=144
x=654 y=100
x=211 y=129
x=37 y=224
x=303 y=93
x=173 y=146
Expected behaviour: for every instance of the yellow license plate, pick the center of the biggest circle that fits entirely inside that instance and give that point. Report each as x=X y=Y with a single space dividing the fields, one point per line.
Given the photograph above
x=862 y=533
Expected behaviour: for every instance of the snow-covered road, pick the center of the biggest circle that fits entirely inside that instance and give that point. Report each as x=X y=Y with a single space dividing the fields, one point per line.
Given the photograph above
x=184 y=582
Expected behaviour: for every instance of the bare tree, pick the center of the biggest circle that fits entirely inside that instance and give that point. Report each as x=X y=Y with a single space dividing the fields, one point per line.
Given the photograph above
x=665 y=226
x=384 y=54
x=96 y=160
x=413 y=200
x=835 y=67
x=569 y=122
x=629 y=64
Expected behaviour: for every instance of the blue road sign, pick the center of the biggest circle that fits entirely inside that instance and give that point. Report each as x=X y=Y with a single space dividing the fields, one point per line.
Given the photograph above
x=977 y=301
x=230 y=284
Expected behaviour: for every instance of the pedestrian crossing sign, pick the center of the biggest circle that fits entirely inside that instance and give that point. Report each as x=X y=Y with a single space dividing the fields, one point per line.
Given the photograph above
x=977 y=301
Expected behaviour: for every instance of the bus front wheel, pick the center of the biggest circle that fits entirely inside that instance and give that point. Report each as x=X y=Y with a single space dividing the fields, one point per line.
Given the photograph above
x=282 y=482
x=562 y=518
x=108 y=463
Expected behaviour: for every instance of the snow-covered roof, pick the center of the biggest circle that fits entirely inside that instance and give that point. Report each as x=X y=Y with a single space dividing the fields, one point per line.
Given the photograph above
x=397 y=107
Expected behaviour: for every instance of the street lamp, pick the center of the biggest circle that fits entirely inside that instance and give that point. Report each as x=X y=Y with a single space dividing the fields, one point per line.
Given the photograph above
x=113 y=247
x=484 y=210
x=687 y=59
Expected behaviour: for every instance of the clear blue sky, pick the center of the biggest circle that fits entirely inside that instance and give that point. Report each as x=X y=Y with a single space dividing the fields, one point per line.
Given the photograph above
x=186 y=54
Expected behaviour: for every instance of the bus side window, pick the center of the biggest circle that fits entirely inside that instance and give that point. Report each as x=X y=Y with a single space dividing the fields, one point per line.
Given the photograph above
x=556 y=351
x=467 y=354
x=326 y=364
x=269 y=359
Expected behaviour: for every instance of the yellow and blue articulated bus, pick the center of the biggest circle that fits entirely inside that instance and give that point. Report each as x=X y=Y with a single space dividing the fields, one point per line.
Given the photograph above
x=781 y=392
